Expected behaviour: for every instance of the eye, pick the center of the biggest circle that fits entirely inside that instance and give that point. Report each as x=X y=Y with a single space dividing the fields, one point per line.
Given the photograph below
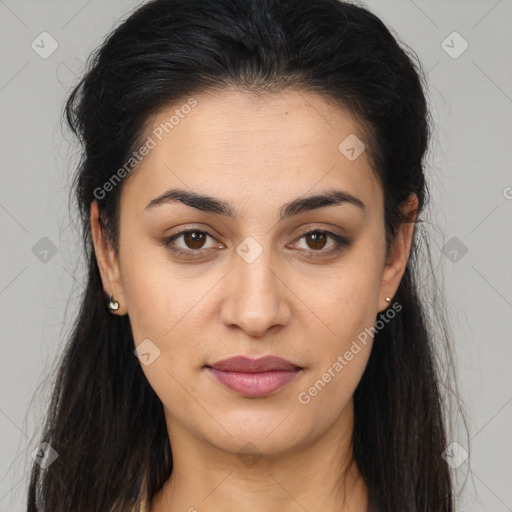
x=317 y=239
x=193 y=239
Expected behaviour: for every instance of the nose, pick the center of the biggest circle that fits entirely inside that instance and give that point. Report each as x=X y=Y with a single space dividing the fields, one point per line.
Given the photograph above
x=256 y=297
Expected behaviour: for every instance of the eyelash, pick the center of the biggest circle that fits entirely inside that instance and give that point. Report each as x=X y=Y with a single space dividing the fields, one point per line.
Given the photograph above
x=342 y=243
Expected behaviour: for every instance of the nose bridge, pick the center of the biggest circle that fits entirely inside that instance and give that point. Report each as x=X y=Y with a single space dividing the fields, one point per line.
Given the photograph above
x=257 y=300
x=254 y=272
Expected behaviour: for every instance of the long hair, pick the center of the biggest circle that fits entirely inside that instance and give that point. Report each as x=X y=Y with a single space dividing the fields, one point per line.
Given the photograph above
x=104 y=420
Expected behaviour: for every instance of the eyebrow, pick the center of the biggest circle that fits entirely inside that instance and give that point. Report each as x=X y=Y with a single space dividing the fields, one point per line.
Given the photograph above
x=332 y=197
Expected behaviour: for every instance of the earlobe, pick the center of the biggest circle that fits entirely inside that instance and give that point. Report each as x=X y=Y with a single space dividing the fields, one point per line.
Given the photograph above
x=106 y=260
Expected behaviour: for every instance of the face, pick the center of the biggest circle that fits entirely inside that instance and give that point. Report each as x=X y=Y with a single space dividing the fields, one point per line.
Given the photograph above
x=253 y=278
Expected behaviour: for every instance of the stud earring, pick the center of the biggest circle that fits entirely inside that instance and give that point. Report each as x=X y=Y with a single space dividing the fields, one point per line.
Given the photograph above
x=112 y=305
x=388 y=299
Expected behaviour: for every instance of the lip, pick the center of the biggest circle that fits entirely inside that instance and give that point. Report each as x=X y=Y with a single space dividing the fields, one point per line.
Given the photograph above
x=254 y=377
x=248 y=365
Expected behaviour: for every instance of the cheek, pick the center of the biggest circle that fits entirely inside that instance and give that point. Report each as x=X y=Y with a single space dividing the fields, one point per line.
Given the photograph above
x=346 y=300
x=346 y=305
x=342 y=354
x=161 y=308
x=156 y=296
x=170 y=305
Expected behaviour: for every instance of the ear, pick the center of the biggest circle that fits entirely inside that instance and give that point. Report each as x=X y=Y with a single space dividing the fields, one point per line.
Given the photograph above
x=107 y=261
x=399 y=253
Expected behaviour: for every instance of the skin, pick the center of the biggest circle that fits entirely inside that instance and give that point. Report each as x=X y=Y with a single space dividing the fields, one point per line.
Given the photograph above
x=256 y=152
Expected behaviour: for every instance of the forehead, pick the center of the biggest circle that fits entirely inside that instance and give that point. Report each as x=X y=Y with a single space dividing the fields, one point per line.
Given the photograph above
x=237 y=145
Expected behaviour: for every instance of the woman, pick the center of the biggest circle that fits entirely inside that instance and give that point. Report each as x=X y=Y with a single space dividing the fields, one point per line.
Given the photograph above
x=251 y=189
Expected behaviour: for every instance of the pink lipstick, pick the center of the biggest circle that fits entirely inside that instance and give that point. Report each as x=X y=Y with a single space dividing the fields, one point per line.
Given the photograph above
x=254 y=377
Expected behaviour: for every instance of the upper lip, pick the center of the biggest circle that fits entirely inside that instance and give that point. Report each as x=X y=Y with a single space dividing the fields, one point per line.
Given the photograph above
x=246 y=364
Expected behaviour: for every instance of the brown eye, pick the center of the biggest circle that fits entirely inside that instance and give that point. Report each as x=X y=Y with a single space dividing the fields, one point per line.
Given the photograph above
x=318 y=239
x=194 y=239
x=191 y=241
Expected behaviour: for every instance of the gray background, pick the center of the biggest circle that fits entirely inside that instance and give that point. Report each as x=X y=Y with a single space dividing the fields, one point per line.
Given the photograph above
x=471 y=185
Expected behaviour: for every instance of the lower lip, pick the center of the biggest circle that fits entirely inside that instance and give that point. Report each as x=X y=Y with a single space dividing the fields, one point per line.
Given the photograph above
x=254 y=384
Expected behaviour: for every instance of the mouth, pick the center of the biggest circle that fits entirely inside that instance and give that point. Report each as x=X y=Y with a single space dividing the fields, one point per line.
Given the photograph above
x=254 y=377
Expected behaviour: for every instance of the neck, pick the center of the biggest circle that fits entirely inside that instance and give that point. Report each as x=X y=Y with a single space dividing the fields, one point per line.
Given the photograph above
x=318 y=476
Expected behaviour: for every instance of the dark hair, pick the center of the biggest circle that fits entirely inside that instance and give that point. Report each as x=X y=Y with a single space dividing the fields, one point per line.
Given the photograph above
x=164 y=52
